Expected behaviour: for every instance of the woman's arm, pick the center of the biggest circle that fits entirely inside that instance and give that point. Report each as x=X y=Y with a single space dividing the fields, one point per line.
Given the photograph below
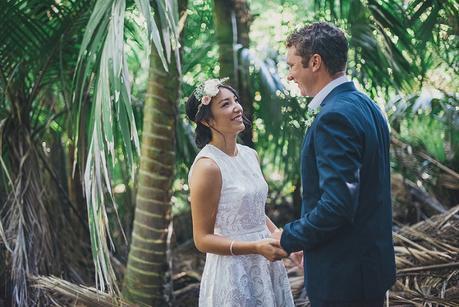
x=271 y=226
x=205 y=187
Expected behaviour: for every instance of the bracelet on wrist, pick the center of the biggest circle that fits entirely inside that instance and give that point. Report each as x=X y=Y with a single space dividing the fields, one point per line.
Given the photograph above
x=231 y=248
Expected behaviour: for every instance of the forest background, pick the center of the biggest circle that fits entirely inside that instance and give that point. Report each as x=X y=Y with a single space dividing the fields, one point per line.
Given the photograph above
x=95 y=147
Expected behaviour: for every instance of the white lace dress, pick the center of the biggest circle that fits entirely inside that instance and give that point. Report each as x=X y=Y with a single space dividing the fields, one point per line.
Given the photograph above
x=245 y=280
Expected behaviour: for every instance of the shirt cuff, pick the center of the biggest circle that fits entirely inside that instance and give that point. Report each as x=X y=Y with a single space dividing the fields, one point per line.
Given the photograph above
x=288 y=242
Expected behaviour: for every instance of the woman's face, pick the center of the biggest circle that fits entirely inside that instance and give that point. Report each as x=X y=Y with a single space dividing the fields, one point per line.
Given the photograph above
x=226 y=113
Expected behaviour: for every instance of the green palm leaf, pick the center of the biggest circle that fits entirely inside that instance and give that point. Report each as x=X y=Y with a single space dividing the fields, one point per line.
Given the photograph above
x=382 y=53
x=102 y=70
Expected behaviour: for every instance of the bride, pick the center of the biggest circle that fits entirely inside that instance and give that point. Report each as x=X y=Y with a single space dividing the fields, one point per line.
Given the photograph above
x=228 y=195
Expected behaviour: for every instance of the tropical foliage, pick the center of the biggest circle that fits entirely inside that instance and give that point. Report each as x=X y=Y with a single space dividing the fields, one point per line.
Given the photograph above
x=95 y=147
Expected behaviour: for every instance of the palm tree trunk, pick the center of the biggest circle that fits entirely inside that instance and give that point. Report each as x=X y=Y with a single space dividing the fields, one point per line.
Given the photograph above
x=226 y=34
x=244 y=19
x=232 y=25
x=147 y=278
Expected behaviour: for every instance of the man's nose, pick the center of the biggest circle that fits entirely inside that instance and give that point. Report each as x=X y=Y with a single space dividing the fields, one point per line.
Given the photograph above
x=289 y=77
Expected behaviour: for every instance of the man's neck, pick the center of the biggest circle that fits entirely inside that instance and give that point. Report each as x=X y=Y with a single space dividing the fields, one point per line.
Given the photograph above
x=325 y=79
x=326 y=90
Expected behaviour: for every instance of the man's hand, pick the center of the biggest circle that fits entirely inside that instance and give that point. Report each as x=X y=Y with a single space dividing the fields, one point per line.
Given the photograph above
x=276 y=235
x=297 y=259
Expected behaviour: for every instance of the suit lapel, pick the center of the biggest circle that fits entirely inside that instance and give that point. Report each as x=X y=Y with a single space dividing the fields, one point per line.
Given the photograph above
x=345 y=87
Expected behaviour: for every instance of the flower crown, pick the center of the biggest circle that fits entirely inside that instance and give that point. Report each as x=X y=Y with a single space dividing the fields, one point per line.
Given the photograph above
x=206 y=90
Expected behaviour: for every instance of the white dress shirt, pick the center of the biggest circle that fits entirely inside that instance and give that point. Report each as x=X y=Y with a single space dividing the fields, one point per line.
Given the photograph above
x=317 y=100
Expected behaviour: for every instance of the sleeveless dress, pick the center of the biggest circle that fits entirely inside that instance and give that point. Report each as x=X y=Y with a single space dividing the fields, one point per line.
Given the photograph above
x=242 y=280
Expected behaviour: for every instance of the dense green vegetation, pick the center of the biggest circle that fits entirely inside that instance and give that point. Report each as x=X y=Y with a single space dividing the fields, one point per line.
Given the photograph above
x=95 y=147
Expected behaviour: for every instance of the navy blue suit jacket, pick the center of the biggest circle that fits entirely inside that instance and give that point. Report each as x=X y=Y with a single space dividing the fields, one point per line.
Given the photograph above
x=345 y=229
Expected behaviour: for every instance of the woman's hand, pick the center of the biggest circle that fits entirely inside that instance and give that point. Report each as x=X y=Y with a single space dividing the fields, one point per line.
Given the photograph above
x=270 y=249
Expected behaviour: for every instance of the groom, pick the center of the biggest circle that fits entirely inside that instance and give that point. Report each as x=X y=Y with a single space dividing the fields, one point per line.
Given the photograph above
x=345 y=229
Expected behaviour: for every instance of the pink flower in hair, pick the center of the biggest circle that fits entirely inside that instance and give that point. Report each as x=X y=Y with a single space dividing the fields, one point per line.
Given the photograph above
x=205 y=100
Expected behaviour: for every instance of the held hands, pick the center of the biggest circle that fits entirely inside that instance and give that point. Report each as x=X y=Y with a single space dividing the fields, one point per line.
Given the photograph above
x=297 y=257
x=270 y=249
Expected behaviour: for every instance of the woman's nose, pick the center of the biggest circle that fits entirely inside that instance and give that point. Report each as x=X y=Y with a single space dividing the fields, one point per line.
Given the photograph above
x=238 y=107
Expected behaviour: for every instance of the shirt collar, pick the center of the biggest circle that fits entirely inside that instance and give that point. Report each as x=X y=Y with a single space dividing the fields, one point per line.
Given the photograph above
x=322 y=94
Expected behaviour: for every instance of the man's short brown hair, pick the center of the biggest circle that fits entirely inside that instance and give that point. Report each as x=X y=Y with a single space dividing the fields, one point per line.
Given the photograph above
x=324 y=39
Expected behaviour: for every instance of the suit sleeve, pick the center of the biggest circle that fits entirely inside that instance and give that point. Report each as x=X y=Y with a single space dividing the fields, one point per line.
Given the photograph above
x=338 y=147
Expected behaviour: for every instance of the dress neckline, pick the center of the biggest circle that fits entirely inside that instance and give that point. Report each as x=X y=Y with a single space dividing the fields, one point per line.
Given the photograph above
x=224 y=153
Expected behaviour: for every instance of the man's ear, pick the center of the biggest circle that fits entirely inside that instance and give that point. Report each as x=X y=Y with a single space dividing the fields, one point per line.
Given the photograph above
x=316 y=62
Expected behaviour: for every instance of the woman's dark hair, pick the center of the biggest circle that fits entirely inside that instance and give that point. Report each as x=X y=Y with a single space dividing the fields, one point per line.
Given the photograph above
x=202 y=132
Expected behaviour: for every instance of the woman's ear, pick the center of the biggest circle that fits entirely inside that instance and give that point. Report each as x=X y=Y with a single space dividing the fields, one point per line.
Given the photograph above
x=205 y=123
x=209 y=123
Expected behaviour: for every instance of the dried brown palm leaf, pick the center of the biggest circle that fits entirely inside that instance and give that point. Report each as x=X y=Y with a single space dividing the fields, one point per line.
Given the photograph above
x=63 y=290
x=428 y=262
x=26 y=218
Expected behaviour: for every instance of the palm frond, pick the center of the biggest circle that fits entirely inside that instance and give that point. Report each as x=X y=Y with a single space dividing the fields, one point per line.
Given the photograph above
x=72 y=294
x=382 y=52
x=429 y=120
x=104 y=37
x=102 y=63
x=433 y=21
x=10 y=182
x=29 y=68
x=281 y=115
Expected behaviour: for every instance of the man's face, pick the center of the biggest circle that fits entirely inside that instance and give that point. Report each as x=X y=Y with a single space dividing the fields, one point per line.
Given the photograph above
x=303 y=77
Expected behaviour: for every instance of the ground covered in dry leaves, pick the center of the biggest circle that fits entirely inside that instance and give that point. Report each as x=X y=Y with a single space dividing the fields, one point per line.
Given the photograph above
x=427 y=256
